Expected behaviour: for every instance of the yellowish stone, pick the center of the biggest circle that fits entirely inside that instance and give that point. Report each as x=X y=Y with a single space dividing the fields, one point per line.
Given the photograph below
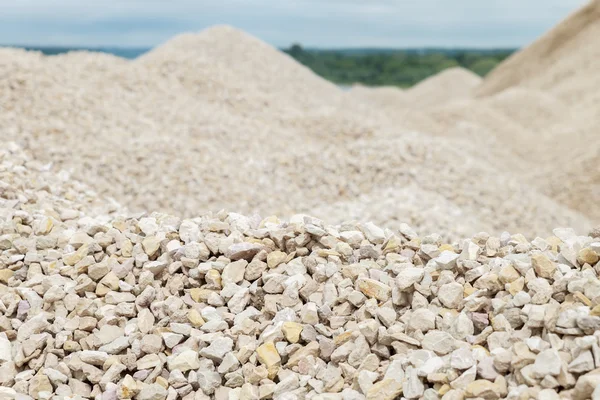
x=73 y=258
x=542 y=265
x=508 y=274
x=374 y=289
x=595 y=311
x=196 y=294
x=342 y=338
x=516 y=286
x=291 y=331
x=445 y=388
x=127 y=388
x=468 y=290
x=446 y=246
x=482 y=389
x=101 y=290
x=588 y=256
x=195 y=318
x=387 y=389
x=582 y=298
x=162 y=382
x=5 y=275
x=151 y=245
x=392 y=244
x=45 y=226
x=111 y=280
x=70 y=345
x=327 y=253
x=268 y=356
x=275 y=258
x=213 y=278
x=126 y=248
x=554 y=243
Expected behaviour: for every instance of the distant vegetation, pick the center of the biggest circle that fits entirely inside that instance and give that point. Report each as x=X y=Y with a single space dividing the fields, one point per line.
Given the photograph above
x=369 y=66
x=376 y=67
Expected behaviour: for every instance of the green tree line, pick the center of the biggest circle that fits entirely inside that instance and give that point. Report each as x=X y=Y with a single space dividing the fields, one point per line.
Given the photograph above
x=401 y=68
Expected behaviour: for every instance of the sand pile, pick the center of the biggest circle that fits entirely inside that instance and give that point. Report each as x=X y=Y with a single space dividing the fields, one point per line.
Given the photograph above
x=181 y=131
x=450 y=84
x=563 y=56
x=562 y=64
x=382 y=96
x=540 y=105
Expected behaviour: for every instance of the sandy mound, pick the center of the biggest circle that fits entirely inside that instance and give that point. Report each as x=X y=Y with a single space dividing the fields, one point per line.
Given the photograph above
x=383 y=96
x=127 y=129
x=224 y=64
x=565 y=55
x=186 y=129
x=450 y=84
x=560 y=68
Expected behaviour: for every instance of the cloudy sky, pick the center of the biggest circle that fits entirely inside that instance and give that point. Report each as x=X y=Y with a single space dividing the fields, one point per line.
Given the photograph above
x=314 y=23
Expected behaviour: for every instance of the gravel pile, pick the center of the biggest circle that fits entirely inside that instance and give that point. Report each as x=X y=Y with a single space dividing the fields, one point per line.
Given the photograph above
x=450 y=84
x=122 y=277
x=179 y=131
x=562 y=63
x=225 y=306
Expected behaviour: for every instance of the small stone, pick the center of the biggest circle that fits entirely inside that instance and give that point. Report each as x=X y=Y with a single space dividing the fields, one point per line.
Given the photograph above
x=5 y=275
x=482 y=389
x=93 y=357
x=373 y=233
x=440 y=342
x=234 y=272
x=387 y=389
x=5 y=348
x=387 y=316
x=184 y=361
x=217 y=349
x=451 y=295
x=171 y=339
x=151 y=344
x=195 y=318
x=275 y=258
x=544 y=268
x=38 y=384
x=151 y=245
x=407 y=277
x=584 y=362
x=586 y=385
x=446 y=260
x=267 y=354
x=148 y=361
x=145 y=321
x=374 y=289
x=462 y=358
x=587 y=256
x=412 y=388
x=292 y=331
x=548 y=362
x=422 y=319
x=244 y=250
x=152 y=392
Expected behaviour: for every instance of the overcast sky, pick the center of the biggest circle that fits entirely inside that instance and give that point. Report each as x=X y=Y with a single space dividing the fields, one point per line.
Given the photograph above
x=314 y=23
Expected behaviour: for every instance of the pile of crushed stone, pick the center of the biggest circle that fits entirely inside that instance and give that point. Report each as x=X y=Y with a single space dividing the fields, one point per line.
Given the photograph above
x=180 y=131
x=226 y=306
x=430 y=243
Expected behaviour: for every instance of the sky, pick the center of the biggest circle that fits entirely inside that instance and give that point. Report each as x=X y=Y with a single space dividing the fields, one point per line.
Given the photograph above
x=312 y=23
